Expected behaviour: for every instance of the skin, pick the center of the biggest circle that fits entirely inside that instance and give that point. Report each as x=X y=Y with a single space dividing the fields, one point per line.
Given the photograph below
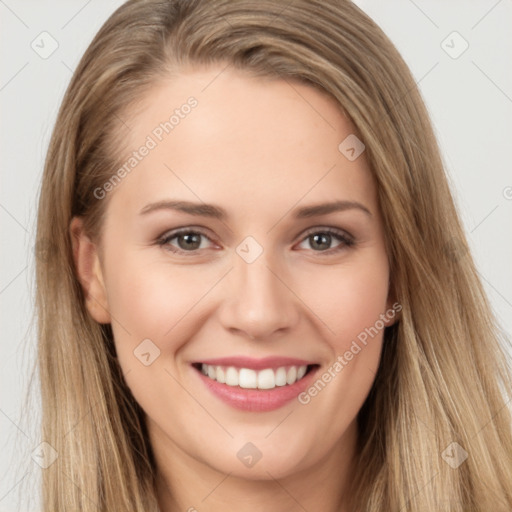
x=259 y=149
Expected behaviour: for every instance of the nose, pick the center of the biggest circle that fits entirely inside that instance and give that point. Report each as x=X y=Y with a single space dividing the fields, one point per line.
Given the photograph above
x=258 y=301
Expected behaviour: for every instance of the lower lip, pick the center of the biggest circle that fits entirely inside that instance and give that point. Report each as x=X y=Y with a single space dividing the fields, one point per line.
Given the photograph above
x=257 y=400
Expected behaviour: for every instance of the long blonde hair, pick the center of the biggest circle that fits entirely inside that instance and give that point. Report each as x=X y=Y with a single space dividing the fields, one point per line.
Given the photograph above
x=444 y=376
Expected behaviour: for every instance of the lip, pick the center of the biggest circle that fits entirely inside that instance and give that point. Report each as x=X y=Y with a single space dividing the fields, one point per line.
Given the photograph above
x=256 y=400
x=273 y=362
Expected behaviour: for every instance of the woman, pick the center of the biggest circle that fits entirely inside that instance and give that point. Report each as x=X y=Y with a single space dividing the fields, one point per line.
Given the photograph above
x=259 y=294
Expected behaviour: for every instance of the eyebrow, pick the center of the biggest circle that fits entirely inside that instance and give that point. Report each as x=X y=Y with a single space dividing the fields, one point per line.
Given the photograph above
x=210 y=210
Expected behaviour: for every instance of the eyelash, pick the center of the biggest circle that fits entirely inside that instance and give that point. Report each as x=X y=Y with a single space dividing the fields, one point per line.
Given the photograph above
x=346 y=240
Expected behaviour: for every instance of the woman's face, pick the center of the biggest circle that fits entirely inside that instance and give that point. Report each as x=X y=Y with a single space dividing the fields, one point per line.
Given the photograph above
x=263 y=280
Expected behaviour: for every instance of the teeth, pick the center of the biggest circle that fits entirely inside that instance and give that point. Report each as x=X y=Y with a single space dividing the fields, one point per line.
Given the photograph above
x=266 y=379
x=291 y=376
x=220 y=375
x=247 y=378
x=231 y=376
x=252 y=379
x=281 y=376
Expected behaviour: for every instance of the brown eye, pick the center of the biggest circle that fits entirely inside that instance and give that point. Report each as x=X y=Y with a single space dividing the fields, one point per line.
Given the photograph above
x=189 y=241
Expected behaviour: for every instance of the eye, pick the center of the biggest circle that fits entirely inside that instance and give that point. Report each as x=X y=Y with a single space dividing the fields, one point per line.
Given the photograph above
x=187 y=240
x=320 y=240
x=190 y=241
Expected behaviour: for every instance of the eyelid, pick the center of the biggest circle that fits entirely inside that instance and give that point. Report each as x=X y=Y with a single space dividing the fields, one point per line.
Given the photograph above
x=170 y=235
x=346 y=238
x=326 y=229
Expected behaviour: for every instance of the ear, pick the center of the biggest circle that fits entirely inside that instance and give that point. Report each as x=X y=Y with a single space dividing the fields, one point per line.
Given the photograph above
x=88 y=269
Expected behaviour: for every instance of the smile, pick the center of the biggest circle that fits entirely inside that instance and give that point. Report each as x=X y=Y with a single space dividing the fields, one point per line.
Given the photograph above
x=248 y=378
x=256 y=385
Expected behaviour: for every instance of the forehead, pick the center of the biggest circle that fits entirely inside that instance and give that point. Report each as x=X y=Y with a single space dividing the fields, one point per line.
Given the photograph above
x=221 y=135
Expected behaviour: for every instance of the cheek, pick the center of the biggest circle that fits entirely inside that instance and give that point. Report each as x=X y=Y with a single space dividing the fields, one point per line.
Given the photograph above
x=149 y=297
x=152 y=300
x=351 y=309
x=348 y=299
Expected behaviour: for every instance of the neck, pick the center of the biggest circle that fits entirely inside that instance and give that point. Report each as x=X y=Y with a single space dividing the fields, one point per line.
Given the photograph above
x=187 y=484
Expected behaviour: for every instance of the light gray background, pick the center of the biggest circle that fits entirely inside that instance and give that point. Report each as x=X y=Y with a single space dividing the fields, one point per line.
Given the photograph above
x=469 y=98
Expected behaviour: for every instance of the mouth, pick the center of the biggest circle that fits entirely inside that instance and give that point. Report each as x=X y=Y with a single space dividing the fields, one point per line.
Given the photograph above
x=250 y=378
x=255 y=385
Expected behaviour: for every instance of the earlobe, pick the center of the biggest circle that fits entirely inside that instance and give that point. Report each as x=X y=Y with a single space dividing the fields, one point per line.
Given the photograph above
x=89 y=273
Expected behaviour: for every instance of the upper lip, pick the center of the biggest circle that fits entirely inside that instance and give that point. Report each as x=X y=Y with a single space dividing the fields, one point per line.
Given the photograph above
x=256 y=364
